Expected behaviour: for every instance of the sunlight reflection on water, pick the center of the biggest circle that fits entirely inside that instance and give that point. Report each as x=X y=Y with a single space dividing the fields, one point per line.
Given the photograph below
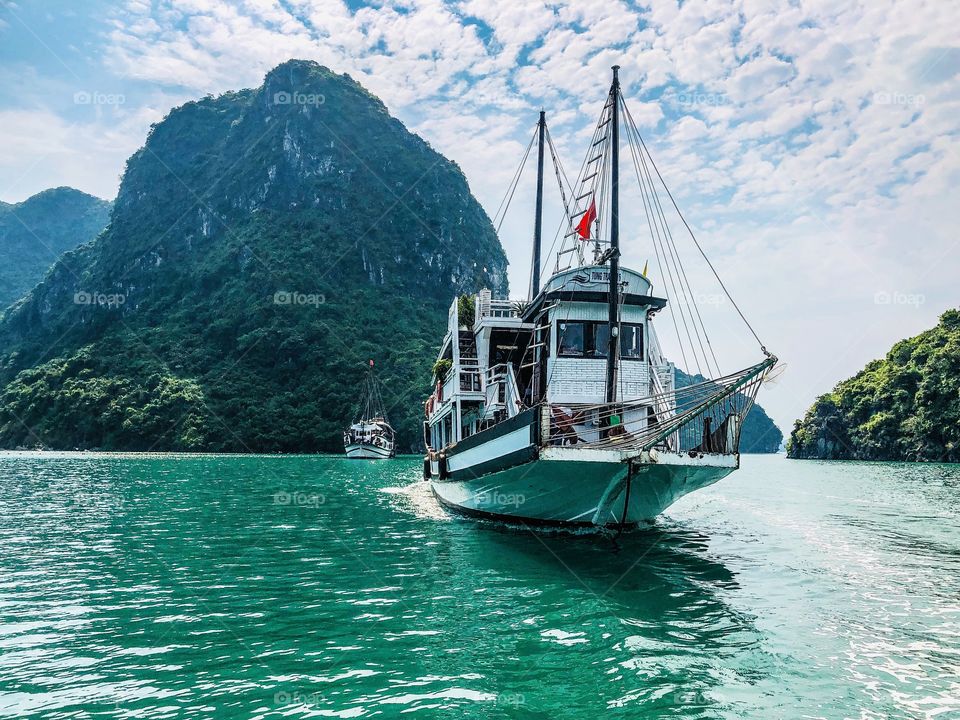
x=259 y=586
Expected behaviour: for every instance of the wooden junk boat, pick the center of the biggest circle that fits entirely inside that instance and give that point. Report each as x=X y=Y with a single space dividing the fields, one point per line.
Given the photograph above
x=370 y=437
x=563 y=409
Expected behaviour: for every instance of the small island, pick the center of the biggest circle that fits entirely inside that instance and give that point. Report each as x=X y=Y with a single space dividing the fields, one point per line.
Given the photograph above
x=903 y=407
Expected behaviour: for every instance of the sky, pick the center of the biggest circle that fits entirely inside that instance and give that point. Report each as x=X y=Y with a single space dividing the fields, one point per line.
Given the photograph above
x=812 y=146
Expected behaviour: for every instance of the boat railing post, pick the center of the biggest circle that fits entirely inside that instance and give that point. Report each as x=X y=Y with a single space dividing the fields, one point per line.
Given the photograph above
x=544 y=424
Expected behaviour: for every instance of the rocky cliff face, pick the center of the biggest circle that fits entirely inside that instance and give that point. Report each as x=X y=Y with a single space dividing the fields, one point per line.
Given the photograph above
x=35 y=232
x=263 y=246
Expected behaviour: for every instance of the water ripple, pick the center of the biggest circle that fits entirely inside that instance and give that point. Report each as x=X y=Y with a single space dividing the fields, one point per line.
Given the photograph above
x=238 y=586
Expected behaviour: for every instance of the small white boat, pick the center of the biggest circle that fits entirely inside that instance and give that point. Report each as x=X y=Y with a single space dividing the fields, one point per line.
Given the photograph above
x=563 y=409
x=371 y=437
x=371 y=440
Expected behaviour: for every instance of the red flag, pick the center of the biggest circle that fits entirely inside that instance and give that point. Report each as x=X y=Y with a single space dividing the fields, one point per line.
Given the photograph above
x=583 y=228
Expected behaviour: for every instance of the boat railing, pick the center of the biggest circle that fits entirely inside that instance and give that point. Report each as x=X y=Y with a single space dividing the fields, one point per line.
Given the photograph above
x=488 y=307
x=502 y=392
x=656 y=352
x=703 y=418
x=500 y=309
x=515 y=403
x=471 y=378
x=664 y=406
x=467 y=378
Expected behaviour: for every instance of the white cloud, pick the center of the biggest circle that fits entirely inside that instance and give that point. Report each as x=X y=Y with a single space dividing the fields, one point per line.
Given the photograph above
x=39 y=149
x=687 y=129
x=757 y=77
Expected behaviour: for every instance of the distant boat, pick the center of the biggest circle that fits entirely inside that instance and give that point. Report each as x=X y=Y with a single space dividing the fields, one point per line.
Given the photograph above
x=563 y=409
x=370 y=437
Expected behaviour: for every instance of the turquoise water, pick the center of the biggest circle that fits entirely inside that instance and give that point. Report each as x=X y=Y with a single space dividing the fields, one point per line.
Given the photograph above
x=228 y=586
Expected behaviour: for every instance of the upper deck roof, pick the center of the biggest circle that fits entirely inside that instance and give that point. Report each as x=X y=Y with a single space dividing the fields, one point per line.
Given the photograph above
x=591 y=283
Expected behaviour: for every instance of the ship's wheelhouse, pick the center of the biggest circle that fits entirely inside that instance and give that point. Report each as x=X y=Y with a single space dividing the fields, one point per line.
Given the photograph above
x=572 y=318
x=506 y=357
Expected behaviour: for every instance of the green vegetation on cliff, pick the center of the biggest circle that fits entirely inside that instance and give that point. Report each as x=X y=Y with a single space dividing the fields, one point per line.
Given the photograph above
x=35 y=232
x=903 y=407
x=263 y=246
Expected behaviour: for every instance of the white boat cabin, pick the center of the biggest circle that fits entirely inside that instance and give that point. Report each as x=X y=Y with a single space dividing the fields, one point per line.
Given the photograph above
x=504 y=357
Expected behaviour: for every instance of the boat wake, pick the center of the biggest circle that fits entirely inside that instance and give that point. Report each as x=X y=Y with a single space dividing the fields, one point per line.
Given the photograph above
x=418 y=500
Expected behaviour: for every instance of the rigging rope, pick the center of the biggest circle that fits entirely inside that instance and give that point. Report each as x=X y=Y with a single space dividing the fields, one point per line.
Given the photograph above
x=671 y=258
x=689 y=298
x=511 y=189
x=558 y=172
x=582 y=178
x=697 y=243
x=668 y=275
x=593 y=186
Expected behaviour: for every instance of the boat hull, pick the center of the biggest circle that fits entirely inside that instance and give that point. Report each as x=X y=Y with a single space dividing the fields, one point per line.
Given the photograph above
x=365 y=451
x=561 y=489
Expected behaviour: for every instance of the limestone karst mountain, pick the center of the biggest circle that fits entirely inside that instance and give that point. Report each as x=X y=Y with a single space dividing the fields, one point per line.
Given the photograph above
x=35 y=232
x=263 y=246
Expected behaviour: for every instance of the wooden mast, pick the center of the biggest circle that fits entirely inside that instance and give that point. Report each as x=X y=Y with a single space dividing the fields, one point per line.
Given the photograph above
x=613 y=317
x=538 y=222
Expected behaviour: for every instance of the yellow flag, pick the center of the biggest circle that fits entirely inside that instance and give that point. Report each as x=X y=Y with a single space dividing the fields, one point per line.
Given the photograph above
x=644 y=273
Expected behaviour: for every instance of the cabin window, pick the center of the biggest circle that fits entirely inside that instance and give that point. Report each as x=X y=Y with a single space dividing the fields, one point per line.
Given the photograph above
x=570 y=339
x=583 y=339
x=599 y=340
x=592 y=340
x=631 y=342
